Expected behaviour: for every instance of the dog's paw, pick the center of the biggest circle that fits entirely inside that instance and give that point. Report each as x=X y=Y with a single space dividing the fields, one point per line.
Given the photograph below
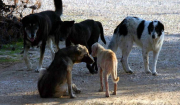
x=129 y=72
x=78 y=91
x=100 y=90
x=148 y=72
x=93 y=71
x=154 y=73
x=114 y=93
x=39 y=69
x=72 y=96
x=107 y=95
x=29 y=67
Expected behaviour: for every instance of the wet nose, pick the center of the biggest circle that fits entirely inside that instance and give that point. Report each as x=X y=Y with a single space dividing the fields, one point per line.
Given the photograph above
x=61 y=39
x=32 y=35
x=153 y=36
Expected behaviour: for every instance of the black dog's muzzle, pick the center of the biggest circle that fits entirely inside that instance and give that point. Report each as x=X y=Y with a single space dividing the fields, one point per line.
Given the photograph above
x=88 y=59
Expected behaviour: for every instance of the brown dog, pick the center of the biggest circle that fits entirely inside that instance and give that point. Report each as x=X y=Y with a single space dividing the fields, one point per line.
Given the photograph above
x=54 y=81
x=107 y=62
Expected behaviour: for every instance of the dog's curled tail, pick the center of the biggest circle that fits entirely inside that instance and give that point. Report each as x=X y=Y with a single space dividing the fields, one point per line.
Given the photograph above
x=58 y=7
x=115 y=78
x=102 y=32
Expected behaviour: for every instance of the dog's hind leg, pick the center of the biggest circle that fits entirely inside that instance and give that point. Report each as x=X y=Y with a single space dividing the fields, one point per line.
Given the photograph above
x=25 y=56
x=115 y=89
x=50 y=45
x=126 y=49
x=155 y=58
x=106 y=83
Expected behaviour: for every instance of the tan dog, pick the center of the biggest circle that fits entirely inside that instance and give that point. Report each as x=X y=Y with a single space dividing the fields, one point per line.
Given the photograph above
x=107 y=62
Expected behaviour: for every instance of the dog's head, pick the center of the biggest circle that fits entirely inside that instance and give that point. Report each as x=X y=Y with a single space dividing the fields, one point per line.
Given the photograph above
x=31 y=26
x=64 y=29
x=95 y=48
x=82 y=55
x=155 y=29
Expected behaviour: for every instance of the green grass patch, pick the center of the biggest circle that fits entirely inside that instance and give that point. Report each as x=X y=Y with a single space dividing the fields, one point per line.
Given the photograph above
x=8 y=55
x=8 y=59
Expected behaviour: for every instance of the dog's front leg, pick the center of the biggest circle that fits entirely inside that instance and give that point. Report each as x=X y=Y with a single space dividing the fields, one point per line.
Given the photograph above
x=69 y=79
x=145 y=54
x=101 y=79
x=155 y=58
x=26 y=58
x=76 y=89
x=42 y=50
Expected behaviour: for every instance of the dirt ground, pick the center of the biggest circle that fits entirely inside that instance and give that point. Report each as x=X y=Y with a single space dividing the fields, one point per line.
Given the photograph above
x=19 y=85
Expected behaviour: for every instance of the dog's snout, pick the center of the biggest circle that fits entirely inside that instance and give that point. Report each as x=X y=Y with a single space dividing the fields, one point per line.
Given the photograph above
x=88 y=59
x=153 y=36
x=32 y=34
x=61 y=39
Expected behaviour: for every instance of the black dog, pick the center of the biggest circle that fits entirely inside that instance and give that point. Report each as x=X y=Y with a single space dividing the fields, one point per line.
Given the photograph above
x=42 y=28
x=53 y=81
x=86 y=33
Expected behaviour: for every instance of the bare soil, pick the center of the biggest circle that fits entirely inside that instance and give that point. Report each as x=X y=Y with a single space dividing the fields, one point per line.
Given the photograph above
x=19 y=85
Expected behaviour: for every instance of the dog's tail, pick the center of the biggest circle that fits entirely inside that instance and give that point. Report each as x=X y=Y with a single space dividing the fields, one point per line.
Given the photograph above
x=58 y=7
x=102 y=32
x=115 y=78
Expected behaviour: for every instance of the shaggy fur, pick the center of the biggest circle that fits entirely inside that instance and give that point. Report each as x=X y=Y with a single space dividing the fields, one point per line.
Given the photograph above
x=42 y=28
x=107 y=62
x=86 y=33
x=149 y=35
x=53 y=81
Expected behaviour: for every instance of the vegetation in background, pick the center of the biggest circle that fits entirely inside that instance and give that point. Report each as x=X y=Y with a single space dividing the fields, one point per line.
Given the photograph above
x=11 y=52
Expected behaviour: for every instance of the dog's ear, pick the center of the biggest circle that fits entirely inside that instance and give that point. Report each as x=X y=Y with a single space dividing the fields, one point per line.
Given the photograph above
x=161 y=26
x=78 y=49
x=150 y=27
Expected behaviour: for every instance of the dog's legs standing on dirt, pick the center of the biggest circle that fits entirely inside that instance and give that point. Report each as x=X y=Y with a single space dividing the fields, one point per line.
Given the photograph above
x=126 y=49
x=115 y=89
x=94 y=65
x=145 y=54
x=76 y=89
x=42 y=50
x=26 y=58
x=69 y=79
x=106 y=76
x=101 y=79
x=155 y=58
x=50 y=45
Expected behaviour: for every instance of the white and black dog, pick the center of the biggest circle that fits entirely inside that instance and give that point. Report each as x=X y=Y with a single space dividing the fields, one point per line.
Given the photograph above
x=149 y=35
x=44 y=27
